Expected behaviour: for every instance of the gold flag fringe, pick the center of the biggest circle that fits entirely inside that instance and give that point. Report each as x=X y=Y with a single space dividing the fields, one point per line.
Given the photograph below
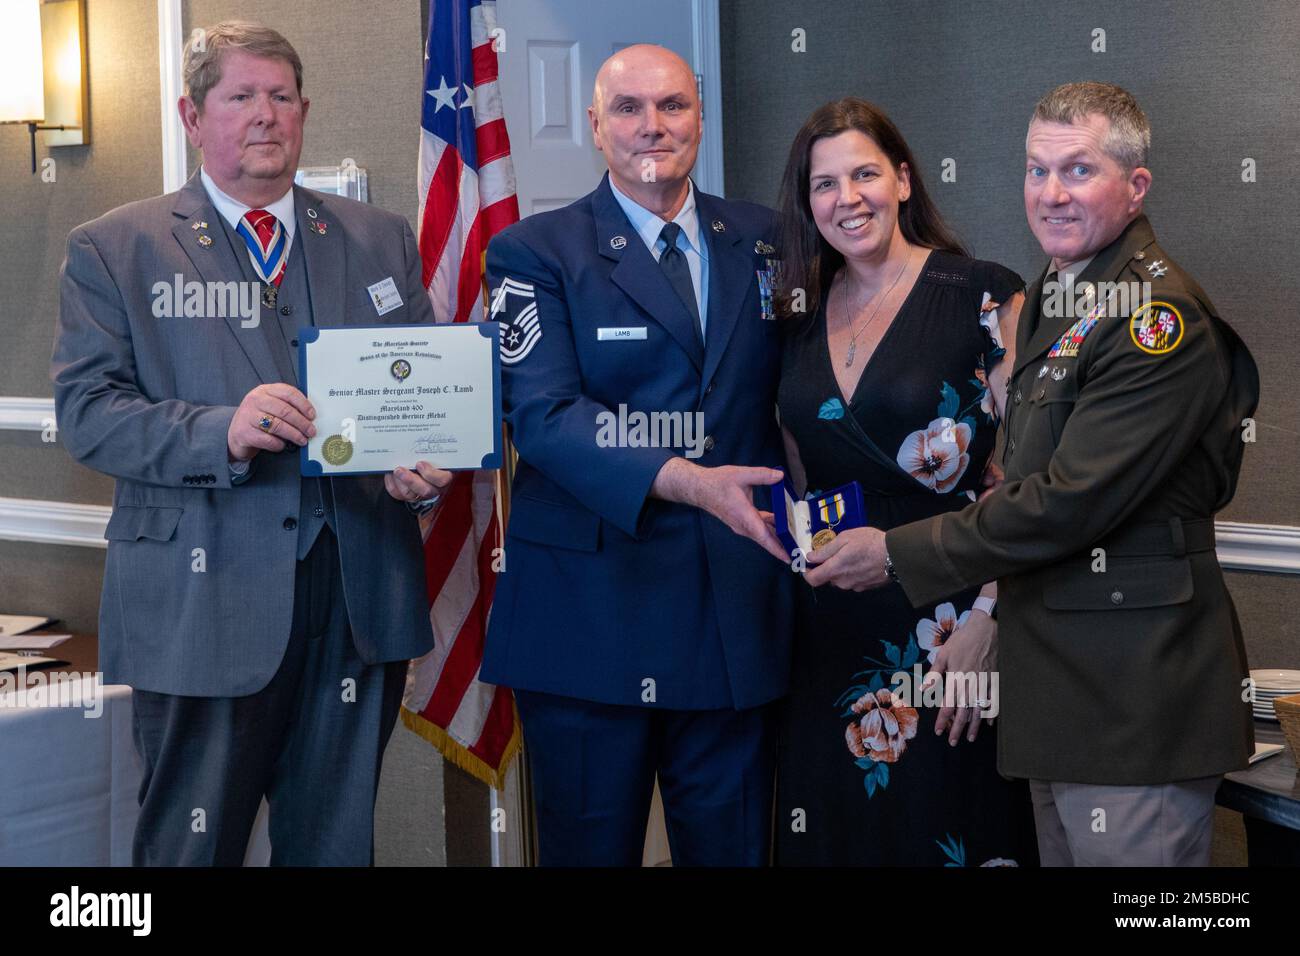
x=455 y=752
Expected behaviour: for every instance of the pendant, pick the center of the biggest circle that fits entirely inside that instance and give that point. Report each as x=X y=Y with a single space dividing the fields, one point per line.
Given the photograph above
x=848 y=357
x=822 y=538
x=269 y=295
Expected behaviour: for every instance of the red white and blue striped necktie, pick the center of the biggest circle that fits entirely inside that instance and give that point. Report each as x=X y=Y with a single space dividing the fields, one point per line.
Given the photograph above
x=267 y=242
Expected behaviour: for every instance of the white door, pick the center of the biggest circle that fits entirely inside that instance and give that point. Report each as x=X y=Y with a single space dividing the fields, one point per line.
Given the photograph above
x=553 y=49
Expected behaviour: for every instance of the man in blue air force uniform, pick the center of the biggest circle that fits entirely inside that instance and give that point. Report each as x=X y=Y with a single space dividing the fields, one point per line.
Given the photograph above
x=643 y=616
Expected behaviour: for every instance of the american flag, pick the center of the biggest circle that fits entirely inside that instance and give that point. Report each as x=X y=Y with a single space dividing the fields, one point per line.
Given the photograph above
x=467 y=195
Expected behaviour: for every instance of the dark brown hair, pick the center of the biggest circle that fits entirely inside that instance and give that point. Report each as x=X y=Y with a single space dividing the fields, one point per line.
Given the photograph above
x=808 y=261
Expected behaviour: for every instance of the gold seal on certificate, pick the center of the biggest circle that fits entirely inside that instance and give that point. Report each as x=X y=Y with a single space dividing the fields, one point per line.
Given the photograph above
x=337 y=450
x=392 y=395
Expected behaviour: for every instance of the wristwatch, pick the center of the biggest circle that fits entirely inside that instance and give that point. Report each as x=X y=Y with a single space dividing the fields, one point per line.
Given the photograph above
x=889 y=568
x=986 y=604
x=420 y=507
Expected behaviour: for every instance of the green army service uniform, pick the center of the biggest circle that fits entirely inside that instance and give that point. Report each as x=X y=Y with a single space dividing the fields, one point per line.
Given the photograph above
x=1123 y=434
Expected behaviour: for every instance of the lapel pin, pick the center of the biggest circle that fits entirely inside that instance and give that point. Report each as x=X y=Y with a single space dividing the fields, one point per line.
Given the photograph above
x=618 y=242
x=718 y=226
x=763 y=248
x=319 y=227
x=311 y=213
x=1157 y=269
x=205 y=240
x=201 y=224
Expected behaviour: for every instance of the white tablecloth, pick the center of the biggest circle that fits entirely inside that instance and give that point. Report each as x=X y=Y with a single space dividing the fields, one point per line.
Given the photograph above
x=69 y=780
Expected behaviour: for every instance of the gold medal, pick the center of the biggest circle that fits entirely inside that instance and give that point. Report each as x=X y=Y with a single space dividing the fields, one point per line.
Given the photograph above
x=822 y=538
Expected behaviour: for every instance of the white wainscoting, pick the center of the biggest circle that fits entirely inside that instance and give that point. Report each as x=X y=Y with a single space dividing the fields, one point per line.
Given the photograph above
x=53 y=522
x=1241 y=546
x=18 y=413
x=1258 y=547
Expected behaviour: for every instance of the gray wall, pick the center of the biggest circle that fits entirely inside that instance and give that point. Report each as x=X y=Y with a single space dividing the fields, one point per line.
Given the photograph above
x=123 y=162
x=362 y=70
x=960 y=79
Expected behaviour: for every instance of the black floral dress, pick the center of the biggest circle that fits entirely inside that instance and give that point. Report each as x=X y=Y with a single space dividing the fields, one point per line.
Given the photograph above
x=862 y=778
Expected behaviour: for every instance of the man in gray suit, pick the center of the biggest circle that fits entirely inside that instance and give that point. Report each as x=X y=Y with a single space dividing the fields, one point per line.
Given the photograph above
x=263 y=618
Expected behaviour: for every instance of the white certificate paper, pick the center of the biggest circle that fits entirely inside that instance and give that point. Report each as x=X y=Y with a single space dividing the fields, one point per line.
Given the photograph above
x=393 y=395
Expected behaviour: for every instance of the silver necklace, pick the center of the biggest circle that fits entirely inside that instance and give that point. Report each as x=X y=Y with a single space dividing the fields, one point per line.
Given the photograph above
x=848 y=312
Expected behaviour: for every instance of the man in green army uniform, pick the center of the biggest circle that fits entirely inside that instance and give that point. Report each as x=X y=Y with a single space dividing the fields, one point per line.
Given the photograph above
x=1121 y=660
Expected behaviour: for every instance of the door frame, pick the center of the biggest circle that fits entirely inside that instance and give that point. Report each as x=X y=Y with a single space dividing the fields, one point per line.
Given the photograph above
x=707 y=41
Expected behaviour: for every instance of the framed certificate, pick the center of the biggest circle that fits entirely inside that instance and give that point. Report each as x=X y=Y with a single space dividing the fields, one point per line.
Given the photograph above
x=393 y=395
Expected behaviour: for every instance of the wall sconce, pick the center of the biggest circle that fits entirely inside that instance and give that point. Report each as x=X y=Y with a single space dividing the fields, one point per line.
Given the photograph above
x=43 y=70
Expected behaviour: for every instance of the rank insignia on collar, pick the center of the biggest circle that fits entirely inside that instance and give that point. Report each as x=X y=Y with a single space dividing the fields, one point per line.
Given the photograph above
x=1157 y=268
x=1042 y=371
x=1156 y=328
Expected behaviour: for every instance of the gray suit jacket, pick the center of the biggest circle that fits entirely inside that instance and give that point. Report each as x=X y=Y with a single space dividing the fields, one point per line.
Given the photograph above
x=149 y=401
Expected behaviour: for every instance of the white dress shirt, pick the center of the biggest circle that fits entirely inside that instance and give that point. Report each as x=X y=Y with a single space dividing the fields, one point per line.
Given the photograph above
x=690 y=242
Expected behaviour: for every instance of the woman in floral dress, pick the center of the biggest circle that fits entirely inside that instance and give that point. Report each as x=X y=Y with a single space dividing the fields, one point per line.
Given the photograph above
x=891 y=378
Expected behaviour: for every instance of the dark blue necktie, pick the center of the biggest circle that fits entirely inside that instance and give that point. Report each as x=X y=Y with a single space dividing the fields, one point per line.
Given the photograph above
x=673 y=262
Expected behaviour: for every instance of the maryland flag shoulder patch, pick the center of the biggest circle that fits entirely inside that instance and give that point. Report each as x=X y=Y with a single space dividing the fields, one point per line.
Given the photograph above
x=1156 y=328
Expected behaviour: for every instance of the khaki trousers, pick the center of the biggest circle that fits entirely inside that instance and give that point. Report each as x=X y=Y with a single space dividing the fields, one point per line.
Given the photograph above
x=1083 y=824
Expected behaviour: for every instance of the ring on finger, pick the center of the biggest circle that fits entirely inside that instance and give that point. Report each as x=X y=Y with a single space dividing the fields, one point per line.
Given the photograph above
x=266 y=423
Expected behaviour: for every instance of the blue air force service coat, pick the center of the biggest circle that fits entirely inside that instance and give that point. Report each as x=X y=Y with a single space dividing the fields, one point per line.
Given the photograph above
x=607 y=594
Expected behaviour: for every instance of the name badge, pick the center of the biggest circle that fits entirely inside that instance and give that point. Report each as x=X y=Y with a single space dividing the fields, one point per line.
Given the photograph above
x=625 y=333
x=385 y=296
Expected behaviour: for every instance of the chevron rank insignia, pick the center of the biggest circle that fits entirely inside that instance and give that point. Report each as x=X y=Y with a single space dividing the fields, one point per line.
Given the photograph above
x=515 y=311
x=1156 y=328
